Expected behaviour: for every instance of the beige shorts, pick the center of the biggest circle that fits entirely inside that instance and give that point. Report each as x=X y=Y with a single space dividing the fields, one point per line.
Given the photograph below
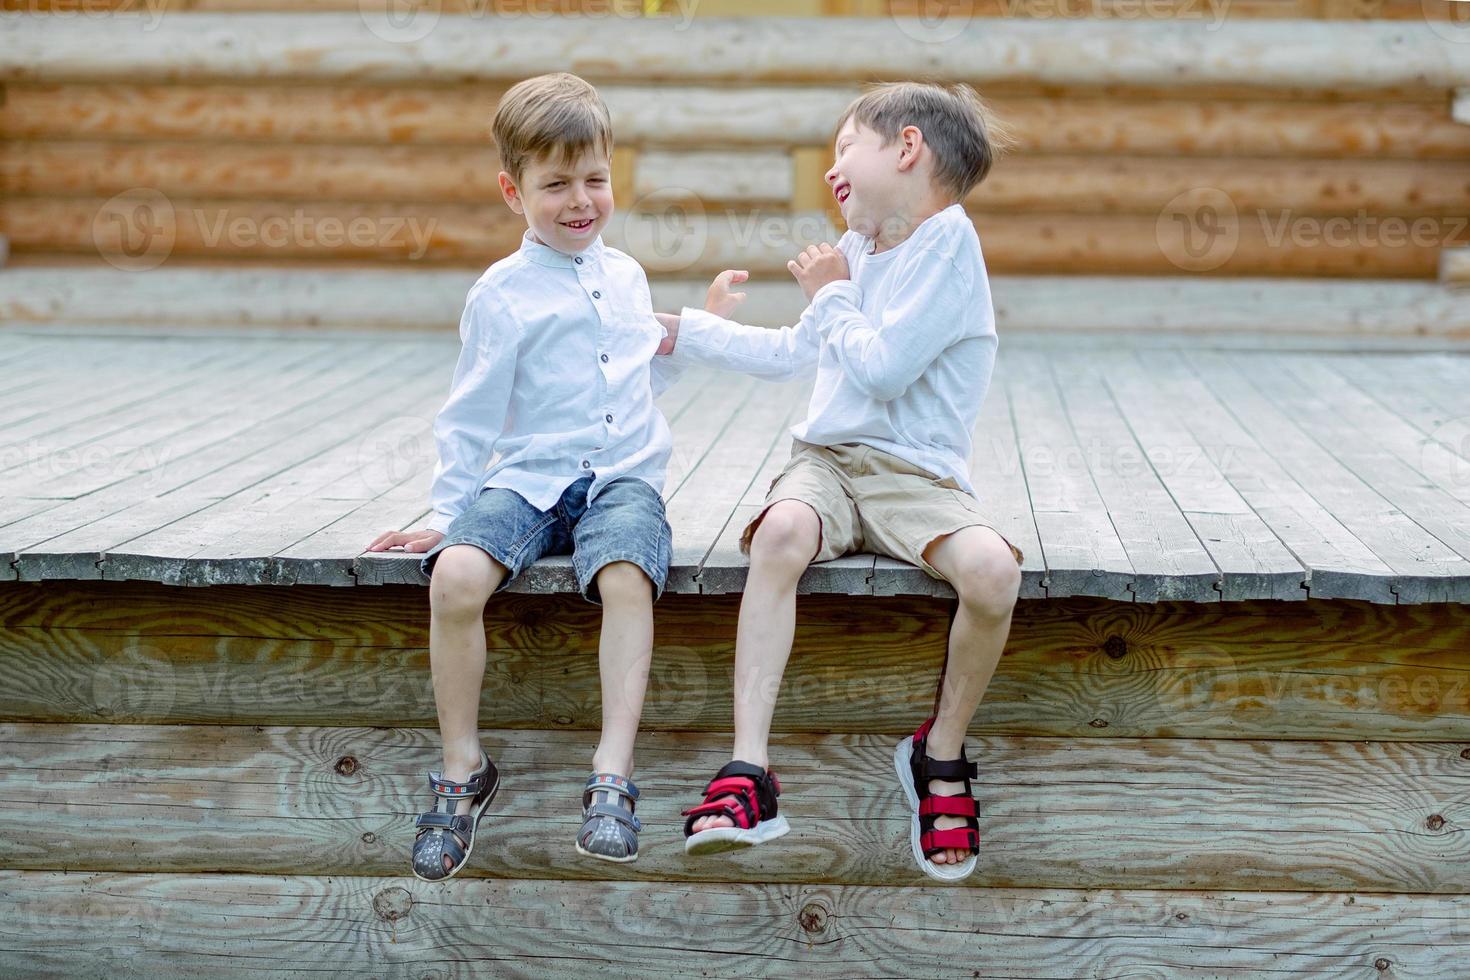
x=869 y=500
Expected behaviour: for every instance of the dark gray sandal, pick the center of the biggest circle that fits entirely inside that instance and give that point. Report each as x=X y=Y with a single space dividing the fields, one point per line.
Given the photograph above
x=442 y=832
x=609 y=829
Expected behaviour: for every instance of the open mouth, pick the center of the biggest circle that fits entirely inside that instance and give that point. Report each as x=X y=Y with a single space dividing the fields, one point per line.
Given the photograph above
x=842 y=192
x=581 y=225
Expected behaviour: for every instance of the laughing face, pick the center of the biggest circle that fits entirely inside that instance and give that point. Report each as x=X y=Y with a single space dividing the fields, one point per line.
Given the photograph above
x=566 y=204
x=861 y=177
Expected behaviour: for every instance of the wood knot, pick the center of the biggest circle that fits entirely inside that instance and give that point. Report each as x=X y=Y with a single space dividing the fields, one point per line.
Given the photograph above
x=392 y=904
x=1381 y=964
x=345 y=766
x=1098 y=723
x=1435 y=822
x=369 y=838
x=1115 y=647
x=1182 y=916
x=813 y=918
x=563 y=720
x=1465 y=753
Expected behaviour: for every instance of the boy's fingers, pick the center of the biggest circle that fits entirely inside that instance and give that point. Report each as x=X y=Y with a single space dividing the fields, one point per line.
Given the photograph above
x=794 y=268
x=739 y=275
x=738 y=297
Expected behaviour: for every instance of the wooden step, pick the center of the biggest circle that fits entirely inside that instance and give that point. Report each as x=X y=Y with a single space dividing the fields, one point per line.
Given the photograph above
x=259 y=926
x=139 y=652
x=1218 y=814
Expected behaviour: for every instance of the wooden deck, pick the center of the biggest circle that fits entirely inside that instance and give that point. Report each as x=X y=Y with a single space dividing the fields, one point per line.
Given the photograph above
x=1136 y=468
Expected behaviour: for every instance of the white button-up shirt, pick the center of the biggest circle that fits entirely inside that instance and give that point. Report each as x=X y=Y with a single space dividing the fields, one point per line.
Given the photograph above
x=556 y=375
x=902 y=352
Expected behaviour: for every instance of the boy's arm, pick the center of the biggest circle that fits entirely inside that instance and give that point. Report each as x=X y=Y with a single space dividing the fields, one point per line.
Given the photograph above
x=780 y=354
x=467 y=427
x=929 y=311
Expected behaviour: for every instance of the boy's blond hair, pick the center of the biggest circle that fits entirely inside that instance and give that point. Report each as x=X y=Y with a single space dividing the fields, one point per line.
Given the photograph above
x=958 y=127
x=557 y=116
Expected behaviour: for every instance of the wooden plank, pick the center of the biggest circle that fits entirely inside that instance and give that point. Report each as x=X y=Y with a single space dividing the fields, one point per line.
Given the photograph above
x=1385 y=452
x=1424 y=569
x=140 y=652
x=1247 y=549
x=1169 y=561
x=1045 y=803
x=1255 y=243
x=1082 y=549
x=169 y=925
x=68 y=540
x=1313 y=57
x=1454 y=266
x=703 y=504
x=1075 y=122
x=1216 y=310
x=1460 y=107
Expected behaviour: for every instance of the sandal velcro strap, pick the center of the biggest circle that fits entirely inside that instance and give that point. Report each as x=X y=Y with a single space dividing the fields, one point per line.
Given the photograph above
x=457 y=822
x=606 y=782
x=949 y=770
x=615 y=812
x=959 y=838
x=954 y=806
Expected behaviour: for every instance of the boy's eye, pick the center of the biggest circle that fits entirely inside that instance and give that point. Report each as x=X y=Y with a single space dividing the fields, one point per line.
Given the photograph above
x=554 y=183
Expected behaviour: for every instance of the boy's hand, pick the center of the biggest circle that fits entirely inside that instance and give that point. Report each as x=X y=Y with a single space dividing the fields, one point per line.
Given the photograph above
x=670 y=322
x=410 y=540
x=719 y=300
x=817 y=266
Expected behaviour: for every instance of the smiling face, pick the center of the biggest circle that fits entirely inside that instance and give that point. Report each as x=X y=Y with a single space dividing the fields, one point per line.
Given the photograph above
x=566 y=204
x=864 y=176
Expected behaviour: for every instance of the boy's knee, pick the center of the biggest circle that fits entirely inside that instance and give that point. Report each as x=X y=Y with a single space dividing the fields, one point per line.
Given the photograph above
x=788 y=534
x=623 y=582
x=463 y=579
x=987 y=579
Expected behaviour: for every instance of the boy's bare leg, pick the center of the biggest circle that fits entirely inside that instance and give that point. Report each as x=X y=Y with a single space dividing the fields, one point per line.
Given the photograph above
x=985 y=575
x=624 y=654
x=780 y=551
x=463 y=580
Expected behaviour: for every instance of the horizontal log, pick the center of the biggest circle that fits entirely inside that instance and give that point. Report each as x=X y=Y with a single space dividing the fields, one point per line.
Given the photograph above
x=142 y=653
x=430 y=47
x=1454 y=266
x=1045 y=804
x=278 y=927
x=697 y=116
x=1065 y=183
x=1210 y=307
x=1198 y=232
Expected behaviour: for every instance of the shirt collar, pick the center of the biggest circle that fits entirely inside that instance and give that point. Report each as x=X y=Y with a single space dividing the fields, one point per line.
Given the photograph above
x=546 y=255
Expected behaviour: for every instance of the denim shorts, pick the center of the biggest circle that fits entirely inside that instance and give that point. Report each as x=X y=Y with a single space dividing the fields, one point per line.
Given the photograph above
x=625 y=523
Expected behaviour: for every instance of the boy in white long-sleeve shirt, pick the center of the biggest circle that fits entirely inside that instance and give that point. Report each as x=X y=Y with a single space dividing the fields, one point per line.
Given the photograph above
x=900 y=336
x=556 y=375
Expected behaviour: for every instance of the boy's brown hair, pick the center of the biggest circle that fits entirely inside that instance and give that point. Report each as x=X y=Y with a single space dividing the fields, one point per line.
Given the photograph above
x=957 y=125
x=556 y=116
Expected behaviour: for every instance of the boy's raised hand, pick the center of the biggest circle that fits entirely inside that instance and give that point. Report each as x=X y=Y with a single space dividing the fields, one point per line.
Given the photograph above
x=719 y=300
x=670 y=322
x=414 y=541
x=817 y=266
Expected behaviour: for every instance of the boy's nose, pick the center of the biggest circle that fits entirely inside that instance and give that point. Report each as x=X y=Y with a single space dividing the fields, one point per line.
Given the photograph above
x=832 y=175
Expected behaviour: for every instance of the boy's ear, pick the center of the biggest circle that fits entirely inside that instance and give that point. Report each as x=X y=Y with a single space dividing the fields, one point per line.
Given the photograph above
x=910 y=143
x=511 y=194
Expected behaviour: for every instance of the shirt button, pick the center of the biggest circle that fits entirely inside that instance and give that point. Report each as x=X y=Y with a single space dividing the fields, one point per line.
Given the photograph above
x=608 y=417
x=578 y=260
x=586 y=465
x=604 y=358
x=596 y=294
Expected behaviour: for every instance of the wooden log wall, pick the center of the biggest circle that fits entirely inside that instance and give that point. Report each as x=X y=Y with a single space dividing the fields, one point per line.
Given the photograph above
x=338 y=151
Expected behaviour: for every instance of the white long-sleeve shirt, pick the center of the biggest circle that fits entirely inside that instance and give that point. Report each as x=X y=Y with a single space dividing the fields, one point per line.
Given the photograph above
x=555 y=374
x=902 y=352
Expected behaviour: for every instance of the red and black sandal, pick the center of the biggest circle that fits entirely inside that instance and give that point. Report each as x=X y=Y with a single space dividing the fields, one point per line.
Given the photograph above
x=915 y=769
x=747 y=795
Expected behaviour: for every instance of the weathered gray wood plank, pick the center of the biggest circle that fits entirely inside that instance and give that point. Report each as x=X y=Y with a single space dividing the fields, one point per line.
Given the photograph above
x=161 y=926
x=1083 y=553
x=197 y=798
x=1247 y=549
x=1168 y=559
x=1424 y=570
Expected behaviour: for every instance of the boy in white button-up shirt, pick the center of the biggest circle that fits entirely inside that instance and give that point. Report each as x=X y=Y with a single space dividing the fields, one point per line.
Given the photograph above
x=900 y=337
x=556 y=376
